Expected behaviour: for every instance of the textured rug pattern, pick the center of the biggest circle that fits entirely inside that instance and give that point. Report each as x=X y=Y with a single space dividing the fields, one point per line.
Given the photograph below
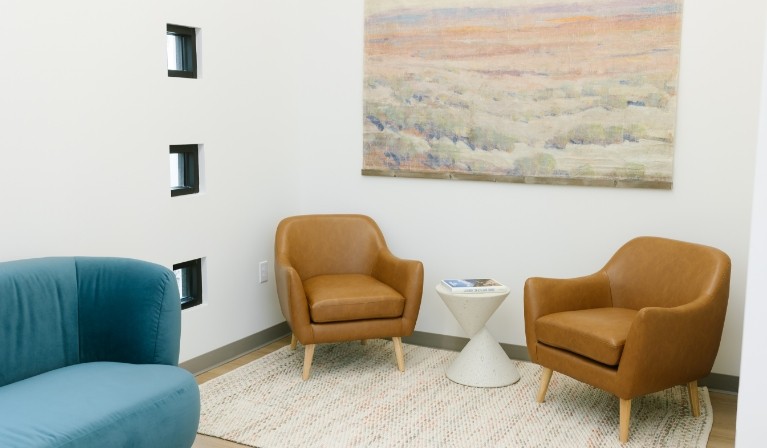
x=356 y=397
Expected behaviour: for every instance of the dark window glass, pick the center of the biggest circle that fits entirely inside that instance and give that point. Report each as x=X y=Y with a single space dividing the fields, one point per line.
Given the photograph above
x=184 y=169
x=189 y=280
x=182 y=51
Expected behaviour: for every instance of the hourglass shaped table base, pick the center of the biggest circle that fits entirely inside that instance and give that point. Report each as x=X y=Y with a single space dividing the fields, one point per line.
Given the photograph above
x=482 y=362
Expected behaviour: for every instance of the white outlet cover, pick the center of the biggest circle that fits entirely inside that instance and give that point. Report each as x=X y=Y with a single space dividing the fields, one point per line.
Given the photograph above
x=263 y=275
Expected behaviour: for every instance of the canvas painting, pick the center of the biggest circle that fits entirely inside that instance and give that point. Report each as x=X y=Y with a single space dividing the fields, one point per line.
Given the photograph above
x=576 y=92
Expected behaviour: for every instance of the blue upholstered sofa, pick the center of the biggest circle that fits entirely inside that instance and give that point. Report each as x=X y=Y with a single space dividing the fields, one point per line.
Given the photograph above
x=88 y=356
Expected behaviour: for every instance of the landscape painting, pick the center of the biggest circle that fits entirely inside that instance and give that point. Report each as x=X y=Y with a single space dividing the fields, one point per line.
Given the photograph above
x=574 y=92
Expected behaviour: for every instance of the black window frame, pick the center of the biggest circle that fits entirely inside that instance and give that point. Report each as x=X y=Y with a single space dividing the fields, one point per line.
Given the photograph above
x=187 y=57
x=194 y=282
x=190 y=169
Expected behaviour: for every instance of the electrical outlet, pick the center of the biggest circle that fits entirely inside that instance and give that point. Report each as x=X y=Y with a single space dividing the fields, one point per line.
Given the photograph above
x=263 y=273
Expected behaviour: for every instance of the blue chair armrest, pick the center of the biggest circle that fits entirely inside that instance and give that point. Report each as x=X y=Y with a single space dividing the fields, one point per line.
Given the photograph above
x=129 y=311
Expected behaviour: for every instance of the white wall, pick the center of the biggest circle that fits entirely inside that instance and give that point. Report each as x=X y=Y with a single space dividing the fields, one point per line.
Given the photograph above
x=84 y=140
x=752 y=393
x=511 y=231
x=87 y=113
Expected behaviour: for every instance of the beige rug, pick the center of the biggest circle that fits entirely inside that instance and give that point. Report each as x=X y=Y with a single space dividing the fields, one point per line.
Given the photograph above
x=356 y=397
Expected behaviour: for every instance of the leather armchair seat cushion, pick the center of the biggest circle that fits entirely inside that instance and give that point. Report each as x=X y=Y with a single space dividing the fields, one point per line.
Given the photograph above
x=597 y=333
x=345 y=297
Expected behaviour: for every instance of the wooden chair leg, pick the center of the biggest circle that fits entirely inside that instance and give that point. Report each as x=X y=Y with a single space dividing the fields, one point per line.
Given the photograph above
x=545 y=378
x=692 y=390
x=398 y=353
x=293 y=341
x=625 y=415
x=308 y=355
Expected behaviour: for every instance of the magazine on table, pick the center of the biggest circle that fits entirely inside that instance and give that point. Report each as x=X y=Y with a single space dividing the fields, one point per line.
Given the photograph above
x=475 y=285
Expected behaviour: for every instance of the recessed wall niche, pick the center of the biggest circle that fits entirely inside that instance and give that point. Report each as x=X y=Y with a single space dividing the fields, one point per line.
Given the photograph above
x=185 y=169
x=181 y=44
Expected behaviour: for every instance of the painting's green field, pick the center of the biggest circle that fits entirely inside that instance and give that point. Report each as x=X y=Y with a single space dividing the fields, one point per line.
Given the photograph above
x=549 y=97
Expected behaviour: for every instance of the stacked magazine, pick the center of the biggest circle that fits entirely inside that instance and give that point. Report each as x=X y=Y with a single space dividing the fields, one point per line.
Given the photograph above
x=473 y=285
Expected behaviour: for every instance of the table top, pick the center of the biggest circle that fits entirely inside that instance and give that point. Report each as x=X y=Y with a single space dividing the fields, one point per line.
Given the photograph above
x=442 y=290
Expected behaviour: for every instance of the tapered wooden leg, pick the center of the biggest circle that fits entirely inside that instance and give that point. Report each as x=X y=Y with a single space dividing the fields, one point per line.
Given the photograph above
x=625 y=415
x=308 y=355
x=398 y=353
x=692 y=389
x=545 y=378
x=293 y=341
x=363 y=342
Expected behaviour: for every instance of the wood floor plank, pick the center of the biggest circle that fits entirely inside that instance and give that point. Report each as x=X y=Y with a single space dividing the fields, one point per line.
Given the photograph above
x=723 y=404
x=211 y=442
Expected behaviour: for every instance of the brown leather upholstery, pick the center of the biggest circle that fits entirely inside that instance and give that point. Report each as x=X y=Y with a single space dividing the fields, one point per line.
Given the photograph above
x=651 y=319
x=338 y=281
x=340 y=297
x=597 y=333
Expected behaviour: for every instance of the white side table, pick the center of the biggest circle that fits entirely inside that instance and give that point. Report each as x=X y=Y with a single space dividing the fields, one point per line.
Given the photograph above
x=482 y=363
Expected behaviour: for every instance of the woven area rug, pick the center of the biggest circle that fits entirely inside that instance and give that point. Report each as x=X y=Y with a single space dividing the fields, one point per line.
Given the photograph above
x=356 y=397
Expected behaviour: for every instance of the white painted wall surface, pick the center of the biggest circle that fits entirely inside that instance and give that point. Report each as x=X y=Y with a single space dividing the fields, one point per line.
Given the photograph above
x=752 y=393
x=511 y=232
x=84 y=167
x=87 y=113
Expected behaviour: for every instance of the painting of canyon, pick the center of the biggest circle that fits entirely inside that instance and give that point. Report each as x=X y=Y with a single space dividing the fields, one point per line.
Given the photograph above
x=536 y=91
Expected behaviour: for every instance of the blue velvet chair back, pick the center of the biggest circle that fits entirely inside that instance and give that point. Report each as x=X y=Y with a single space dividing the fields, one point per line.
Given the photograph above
x=60 y=311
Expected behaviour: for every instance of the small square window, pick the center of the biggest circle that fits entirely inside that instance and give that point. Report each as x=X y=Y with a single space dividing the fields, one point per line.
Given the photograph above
x=182 y=51
x=189 y=279
x=184 y=169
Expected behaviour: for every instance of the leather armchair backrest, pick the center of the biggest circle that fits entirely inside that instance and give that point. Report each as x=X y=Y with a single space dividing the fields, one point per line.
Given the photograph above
x=659 y=272
x=329 y=244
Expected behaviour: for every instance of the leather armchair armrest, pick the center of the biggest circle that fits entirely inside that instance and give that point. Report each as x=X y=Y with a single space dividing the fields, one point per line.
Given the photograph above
x=544 y=296
x=406 y=276
x=295 y=307
x=670 y=346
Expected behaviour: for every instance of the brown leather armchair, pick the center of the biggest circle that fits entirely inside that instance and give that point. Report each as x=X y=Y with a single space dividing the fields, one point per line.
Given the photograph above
x=337 y=281
x=651 y=319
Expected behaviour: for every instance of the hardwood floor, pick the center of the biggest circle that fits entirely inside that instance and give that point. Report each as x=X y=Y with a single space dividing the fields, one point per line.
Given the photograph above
x=722 y=431
x=211 y=442
x=725 y=406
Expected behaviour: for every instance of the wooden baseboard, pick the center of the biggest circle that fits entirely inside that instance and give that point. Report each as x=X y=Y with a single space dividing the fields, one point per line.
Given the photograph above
x=224 y=354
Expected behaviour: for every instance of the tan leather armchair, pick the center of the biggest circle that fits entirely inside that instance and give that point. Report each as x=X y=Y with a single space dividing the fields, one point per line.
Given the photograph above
x=651 y=319
x=337 y=281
